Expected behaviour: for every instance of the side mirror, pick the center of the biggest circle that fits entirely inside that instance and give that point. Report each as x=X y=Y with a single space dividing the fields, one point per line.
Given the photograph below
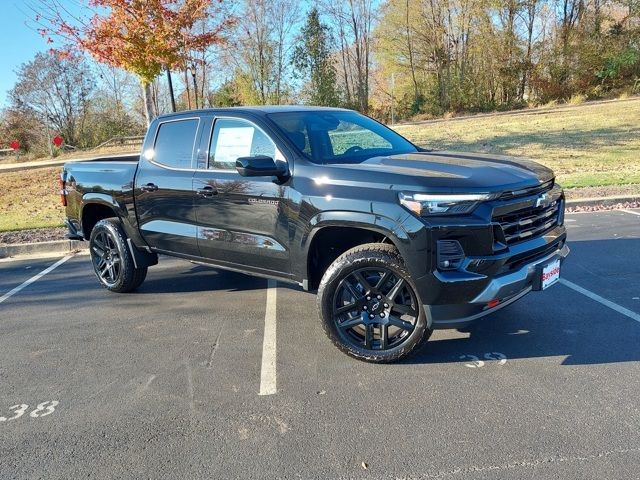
x=259 y=166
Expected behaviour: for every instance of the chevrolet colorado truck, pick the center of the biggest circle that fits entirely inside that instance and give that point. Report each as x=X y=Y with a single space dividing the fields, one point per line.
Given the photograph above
x=396 y=240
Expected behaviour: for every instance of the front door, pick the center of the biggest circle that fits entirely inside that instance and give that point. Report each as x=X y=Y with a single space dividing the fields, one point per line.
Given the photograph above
x=241 y=221
x=164 y=188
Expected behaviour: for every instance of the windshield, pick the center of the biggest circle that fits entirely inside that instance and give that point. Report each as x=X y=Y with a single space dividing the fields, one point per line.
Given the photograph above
x=339 y=136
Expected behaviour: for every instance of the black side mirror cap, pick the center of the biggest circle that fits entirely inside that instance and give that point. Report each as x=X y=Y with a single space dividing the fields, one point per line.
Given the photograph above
x=260 y=166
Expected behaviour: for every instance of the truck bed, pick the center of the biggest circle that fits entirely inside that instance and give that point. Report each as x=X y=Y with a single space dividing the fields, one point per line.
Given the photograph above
x=109 y=178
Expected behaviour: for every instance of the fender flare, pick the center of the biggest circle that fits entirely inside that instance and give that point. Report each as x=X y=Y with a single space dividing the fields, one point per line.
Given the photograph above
x=365 y=220
x=391 y=229
x=93 y=198
x=141 y=258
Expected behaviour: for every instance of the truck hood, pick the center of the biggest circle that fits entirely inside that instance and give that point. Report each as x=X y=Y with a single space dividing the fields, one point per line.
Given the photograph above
x=445 y=171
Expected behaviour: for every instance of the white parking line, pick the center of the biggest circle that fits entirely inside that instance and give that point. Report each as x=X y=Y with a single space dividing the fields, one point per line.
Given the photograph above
x=34 y=278
x=630 y=211
x=607 y=303
x=268 y=371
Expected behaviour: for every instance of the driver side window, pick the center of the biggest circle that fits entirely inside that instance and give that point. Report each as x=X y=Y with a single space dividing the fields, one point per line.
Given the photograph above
x=235 y=138
x=351 y=136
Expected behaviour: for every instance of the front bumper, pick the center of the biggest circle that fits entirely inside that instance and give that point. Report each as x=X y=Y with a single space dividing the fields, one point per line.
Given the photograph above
x=505 y=288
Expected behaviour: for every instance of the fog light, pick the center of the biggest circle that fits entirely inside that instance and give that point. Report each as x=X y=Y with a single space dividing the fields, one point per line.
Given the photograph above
x=450 y=254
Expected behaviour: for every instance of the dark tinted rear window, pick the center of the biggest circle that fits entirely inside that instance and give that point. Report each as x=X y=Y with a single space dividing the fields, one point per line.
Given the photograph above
x=174 y=143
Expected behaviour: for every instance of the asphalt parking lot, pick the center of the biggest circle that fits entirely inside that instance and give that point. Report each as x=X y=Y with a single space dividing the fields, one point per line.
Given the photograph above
x=167 y=382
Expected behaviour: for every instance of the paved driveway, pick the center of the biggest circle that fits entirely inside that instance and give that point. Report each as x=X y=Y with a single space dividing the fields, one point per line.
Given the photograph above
x=166 y=382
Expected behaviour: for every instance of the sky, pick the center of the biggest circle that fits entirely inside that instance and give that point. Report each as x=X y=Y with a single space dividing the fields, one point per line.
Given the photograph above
x=18 y=44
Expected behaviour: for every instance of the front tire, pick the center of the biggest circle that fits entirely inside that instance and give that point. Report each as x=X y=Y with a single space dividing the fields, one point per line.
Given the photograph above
x=111 y=258
x=369 y=307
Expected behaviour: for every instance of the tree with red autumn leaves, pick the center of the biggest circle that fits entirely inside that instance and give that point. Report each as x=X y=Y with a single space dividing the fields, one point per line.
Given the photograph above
x=140 y=36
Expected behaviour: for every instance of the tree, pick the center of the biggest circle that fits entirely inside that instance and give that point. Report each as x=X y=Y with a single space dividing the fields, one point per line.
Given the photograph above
x=259 y=49
x=397 y=53
x=531 y=7
x=353 y=20
x=285 y=16
x=226 y=95
x=140 y=36
x=312 y=58
x=24 y=126
x=57 y=92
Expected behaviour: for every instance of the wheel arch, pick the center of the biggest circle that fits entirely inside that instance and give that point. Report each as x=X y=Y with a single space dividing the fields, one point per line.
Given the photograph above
x=96 y=207
x=332 y=233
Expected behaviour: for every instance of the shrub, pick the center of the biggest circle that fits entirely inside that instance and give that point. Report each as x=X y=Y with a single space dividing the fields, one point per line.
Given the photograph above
x=577 y=99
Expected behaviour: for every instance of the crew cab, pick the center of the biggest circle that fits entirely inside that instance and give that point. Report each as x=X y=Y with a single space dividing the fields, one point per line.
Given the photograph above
x=397 y=240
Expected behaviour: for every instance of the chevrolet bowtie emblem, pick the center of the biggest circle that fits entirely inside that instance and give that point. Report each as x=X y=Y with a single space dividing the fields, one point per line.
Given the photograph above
x=543 y=200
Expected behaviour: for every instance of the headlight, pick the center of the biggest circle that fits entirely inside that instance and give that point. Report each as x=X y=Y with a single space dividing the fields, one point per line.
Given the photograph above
x=442 y=204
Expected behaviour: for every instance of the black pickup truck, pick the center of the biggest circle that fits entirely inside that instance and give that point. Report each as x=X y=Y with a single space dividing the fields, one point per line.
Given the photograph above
x=397 y=240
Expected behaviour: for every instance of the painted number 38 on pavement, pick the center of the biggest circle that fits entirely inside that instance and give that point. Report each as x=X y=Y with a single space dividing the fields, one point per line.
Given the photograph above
x=42 y=410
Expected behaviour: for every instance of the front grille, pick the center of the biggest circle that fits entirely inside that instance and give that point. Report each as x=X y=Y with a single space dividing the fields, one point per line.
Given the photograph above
x=530 y=256
x=528 y=222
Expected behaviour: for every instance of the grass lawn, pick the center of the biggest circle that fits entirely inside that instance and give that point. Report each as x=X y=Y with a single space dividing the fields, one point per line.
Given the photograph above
x=30 y=199
x=586 y=145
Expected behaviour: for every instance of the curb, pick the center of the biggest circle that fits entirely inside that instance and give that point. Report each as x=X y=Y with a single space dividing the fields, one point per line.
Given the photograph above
x=602 y=201
x=17 y=167
x=58 y=246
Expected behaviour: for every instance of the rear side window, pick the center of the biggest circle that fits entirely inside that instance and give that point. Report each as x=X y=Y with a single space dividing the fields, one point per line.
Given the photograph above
x=174 y=143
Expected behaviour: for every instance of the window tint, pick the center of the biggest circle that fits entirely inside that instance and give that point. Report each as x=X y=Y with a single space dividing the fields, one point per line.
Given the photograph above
x=339 y=136
x=174 y=143
x=233 y=138
x=349 y=137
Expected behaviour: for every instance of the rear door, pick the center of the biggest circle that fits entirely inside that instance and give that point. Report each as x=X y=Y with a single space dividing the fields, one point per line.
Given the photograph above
x=241 y=221
x=164 y=187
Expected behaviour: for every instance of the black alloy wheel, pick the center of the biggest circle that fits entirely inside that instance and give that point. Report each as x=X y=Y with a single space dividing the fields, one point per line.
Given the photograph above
x=106 y=259
x=111 y=258
x=375 y=309
x=369 y=307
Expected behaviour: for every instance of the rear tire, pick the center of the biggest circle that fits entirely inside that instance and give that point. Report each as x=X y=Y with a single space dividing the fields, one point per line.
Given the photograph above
x=112 y=261
x=369 y=306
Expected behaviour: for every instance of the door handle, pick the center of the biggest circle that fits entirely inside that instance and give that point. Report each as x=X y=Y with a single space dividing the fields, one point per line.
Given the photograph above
x=149 y=187
x=207 y=191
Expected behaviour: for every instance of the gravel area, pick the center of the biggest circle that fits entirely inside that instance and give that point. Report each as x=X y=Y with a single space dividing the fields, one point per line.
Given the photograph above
x=598 y=208
x=32 y=236
x=603 y=192
x=596 y=192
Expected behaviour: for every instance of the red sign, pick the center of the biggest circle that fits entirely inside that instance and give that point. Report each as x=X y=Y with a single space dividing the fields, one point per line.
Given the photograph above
x=57 y=140
x=15 y=145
